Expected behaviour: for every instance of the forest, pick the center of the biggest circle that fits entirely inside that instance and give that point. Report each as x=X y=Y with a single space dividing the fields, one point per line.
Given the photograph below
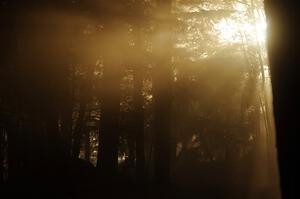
x=138 y=99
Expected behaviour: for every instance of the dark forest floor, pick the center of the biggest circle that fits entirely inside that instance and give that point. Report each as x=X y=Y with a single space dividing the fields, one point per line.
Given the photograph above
x=127 y=190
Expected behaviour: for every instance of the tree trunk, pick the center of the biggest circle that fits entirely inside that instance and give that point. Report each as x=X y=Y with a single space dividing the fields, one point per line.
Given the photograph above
x=14 y=154
x=87 y=151
x=139 y=125
x=138 y=99
x=109 y=122
x=78 y=132
x=162 y=82
x=283 y=49
x=67 y=121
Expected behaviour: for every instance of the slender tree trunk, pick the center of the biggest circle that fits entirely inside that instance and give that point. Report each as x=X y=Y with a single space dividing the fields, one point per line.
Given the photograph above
x=131 y=149
x=162 y=94
x=109 y=123
x=113 y=52
x=37 y=147
x=14 y=158
x=87 y=151
x=138 y=99
x=139 y=125
x=1 y=154
x=78 y=132
x=283 y=49
x=8 y=59
x=67 y=122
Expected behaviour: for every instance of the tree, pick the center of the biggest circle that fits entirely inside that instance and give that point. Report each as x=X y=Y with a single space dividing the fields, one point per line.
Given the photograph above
x=162 y=90
x=283 y=44
x=109 y=124
x=113 y=47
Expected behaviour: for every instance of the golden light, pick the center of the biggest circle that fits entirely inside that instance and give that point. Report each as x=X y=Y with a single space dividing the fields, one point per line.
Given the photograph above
x=242 y=28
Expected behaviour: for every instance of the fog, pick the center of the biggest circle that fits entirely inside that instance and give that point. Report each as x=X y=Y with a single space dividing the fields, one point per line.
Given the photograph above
x=153 y=99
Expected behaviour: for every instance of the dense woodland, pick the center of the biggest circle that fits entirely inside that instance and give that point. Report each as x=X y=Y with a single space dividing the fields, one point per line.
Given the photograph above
x=140 y=99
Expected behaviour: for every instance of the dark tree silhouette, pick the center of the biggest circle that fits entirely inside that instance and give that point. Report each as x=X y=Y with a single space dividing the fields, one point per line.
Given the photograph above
x=162 y=83
x=109 y=126
x=283 y=44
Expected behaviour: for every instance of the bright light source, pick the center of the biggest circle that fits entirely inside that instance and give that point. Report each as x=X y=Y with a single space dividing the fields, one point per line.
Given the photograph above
x=241 y=27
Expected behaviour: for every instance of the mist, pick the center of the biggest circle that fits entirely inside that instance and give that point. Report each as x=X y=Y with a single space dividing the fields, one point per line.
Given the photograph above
x=139 y=99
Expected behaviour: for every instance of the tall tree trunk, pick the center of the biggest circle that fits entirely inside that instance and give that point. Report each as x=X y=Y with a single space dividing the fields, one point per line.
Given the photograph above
x=87 y=151
x=9 y=14
x=14 y=154
x=162 y=93
x=1 y=153
x=131 y=149
x=78 y=132
x=109 y=123
x=138 y=99
x=113 y=49
x=52 y=132
x=67 y=120
x=283 y=49
x=139 y=125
